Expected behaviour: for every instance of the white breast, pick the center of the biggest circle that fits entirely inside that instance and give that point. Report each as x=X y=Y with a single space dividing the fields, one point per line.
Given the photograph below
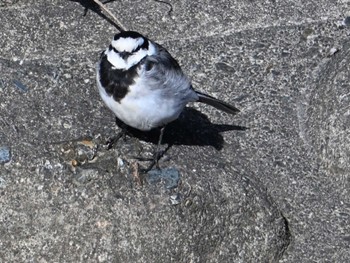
x=143 y=108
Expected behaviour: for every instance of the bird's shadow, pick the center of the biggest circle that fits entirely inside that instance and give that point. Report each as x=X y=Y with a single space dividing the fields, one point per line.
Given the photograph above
x=191 y=128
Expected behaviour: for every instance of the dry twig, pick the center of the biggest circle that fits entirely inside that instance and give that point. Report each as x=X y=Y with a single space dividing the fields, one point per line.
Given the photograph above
x=115 y=20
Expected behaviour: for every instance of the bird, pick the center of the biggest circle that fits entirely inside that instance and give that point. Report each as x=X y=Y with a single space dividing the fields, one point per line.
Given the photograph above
x=144 y=85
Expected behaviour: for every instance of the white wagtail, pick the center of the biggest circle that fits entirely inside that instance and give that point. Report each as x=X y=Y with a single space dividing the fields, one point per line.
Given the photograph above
x=144 y=85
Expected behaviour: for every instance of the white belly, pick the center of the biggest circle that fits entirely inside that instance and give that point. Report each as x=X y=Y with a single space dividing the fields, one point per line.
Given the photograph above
x=143 y=109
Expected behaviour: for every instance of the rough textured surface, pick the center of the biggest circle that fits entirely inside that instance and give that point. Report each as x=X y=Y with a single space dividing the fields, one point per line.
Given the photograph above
x=276 y=192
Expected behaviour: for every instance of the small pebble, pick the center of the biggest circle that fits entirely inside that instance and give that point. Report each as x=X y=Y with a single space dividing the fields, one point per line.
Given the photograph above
x=75 y=163
x=85 y=151
x=83 y=176
x=5 y=154
x=67 y=76
x=188 y=203
x=171 y=177
x=175 y=199
x=2 y=83
x=344 y=23
x=332 y=51
x=347 y=21
x=20 y=85
x=2 y=183
x=120 y=162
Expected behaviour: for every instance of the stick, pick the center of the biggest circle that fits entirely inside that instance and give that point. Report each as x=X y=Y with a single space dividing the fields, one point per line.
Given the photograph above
x=115 y=20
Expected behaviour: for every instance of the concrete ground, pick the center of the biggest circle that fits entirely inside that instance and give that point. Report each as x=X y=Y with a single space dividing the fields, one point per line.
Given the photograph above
x=277 y=191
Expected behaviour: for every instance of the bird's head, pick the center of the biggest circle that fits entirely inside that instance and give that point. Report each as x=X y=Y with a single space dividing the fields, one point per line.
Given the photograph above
x=128 y=48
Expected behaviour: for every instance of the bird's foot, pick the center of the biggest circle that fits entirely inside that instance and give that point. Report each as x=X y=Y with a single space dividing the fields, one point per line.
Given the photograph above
x=154 y=161
x=113 y=140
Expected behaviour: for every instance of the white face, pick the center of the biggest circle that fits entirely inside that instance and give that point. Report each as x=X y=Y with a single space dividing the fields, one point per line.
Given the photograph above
x=127 y=44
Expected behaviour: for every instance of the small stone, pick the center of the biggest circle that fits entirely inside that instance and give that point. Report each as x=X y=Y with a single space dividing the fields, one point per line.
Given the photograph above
x=332 y=51
x=83 y=176
x=347 y=21
x=188 y=203
x=344 y=23
x=170 y=176
x=5 y=154
x=2 y=183
x=67 y=76
x=120 y=162
x=175 y=199
x=67 y=125
x=75 y=163
x=85 y=150
x=87 y=143
x=19 y=85
x=2 y=83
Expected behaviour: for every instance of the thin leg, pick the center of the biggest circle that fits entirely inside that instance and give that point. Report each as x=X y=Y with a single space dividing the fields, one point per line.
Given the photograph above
x=158 y=154
x=111 y=141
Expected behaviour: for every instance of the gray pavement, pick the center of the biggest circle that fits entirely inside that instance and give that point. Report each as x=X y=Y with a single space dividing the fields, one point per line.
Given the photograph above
x=275 y=192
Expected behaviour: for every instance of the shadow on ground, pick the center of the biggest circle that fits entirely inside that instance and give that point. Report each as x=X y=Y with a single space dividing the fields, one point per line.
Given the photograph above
x=191 y=128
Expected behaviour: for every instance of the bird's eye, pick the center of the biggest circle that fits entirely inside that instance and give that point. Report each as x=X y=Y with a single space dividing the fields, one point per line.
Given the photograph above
x=149 y=66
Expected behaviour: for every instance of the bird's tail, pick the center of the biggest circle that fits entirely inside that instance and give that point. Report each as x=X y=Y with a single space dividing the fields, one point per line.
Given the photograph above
x=219 y=104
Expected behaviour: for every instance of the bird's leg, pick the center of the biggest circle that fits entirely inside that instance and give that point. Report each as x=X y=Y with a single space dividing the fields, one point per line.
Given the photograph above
x=111 y=141
x=158 y=153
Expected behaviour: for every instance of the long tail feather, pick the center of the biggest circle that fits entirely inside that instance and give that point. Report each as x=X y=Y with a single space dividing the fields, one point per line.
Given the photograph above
x=219 y=104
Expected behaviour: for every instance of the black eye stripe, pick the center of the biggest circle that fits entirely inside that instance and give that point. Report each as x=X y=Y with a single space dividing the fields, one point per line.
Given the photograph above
x=137 y=49
x=143 y=46
x=110 y=48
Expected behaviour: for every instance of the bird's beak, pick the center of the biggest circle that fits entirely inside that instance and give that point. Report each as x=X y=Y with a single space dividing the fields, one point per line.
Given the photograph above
x=124 y=55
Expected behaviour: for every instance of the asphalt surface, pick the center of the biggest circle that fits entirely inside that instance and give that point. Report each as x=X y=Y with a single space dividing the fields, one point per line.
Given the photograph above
x=270 y=184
